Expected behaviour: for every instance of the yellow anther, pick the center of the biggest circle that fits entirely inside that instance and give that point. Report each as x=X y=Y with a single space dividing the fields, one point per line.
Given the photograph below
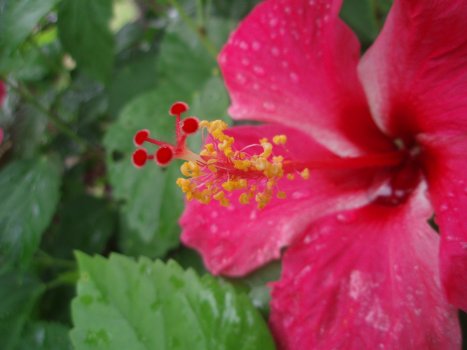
x=305 y=174
x=279 y=139
x=222 y=169
x=260 y=163
x=290 y=176
x=241 y=164
x=220 y=197
x=244 y=198
x=190 y=169
x=267 y=149
x=281 y=195
x=229 y=185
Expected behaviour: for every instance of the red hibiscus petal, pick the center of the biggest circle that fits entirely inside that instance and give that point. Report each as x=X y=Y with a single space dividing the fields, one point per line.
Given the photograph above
x=294 y=62
x=415 y=75
x=447 y=177
x=365 y=279
x=235 y=240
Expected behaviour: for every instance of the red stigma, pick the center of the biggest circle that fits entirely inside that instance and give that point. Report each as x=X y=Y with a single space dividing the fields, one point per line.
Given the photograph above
x=140 y=156
x=164 y=155
x=190 y=125
x=166 y=151
x=140 y=137
x=178 y=108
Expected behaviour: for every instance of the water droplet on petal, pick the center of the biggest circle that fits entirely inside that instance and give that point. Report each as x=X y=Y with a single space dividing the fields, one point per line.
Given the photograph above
x=256 y=45
x=294 y=77
x=269 y=106
x=275 y=51
x=241 y=78
x=258 y=70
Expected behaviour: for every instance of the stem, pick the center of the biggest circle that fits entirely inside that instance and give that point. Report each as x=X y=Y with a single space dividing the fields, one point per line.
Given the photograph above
x=209 y=46
x=64 y=279
x=48 y=260
x=54 y=119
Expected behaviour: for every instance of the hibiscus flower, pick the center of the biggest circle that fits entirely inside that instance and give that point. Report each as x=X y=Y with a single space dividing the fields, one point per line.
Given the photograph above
x=375 y=146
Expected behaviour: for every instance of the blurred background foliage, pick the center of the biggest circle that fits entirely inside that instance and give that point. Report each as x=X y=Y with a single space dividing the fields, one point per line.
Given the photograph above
x=82 y=76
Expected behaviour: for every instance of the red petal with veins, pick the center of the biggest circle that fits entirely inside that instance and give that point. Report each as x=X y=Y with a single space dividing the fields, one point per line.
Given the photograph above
x=235 y=240
x=365 y=279
x=294 y=62
x=415 y=75
x=446 y=164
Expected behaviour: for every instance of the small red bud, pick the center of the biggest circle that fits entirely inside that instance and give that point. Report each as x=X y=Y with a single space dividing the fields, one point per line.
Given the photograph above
x=140 y=156
x=178 y=108
x=140 y=137
x=164 y=155
x=190 y=125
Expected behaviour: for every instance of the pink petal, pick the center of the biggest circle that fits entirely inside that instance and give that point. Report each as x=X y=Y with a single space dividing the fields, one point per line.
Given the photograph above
x=415 y=75
x=1 y=136
x=235 y=240
x=294 y=62
x=447 y=176
x=365 y=279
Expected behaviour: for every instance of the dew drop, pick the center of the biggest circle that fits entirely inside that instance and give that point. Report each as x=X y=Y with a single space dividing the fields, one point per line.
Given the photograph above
x=443 y=207
x=213 y=228
x=256 y=86
x=294 y=77
x=253 y=215
x=241 y=78
x=258 y=70
x=256 y=45
x=269 y=106
x=275 y=51
x=243 y=45
x=273 y=22
x=245 y=61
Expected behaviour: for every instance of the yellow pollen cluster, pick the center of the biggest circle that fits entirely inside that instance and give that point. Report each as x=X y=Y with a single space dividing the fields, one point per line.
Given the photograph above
x=222 y=170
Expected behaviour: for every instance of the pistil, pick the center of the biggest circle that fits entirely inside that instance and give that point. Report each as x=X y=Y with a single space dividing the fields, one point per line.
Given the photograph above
x=222 y=173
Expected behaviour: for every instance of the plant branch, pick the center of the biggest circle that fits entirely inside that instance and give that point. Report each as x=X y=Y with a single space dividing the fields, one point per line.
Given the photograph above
x=209 y=46
x=52 y=117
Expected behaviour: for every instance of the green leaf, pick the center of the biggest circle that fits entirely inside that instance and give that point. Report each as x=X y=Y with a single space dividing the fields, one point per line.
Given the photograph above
x=18 y=18
x=151 y=202
x=361 y=16
x=84 y=32
x=29 y=191
x=89 y=231
x=18 y=294
x=45 y=336
x=132 y=79
x=123 y=304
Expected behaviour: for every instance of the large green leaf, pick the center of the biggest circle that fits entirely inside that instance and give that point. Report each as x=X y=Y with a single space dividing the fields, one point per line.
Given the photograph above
x=123 y=304
x=18 y=18
x=84 y=32
x=44 y=336
x=29 y=191
x=18 y=294
x=151 y=202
